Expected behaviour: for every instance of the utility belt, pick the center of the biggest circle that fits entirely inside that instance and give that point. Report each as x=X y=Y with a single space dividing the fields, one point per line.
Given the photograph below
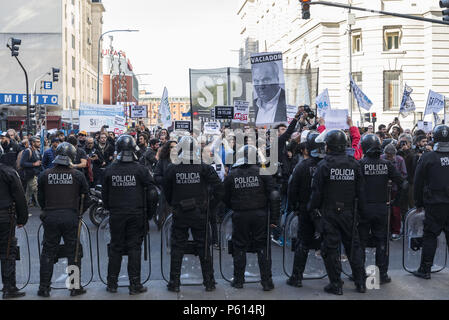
x=190 y=205
x=4 y=212
x=338 y=207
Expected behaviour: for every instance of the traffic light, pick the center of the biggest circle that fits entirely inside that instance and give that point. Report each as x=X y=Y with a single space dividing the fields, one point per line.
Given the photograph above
x=373 y=117
x=15 y=43
x=32 y=112
x=55 y=72
x=445 y=4
x=305 y=9
x=41 y=113
x=367 y=117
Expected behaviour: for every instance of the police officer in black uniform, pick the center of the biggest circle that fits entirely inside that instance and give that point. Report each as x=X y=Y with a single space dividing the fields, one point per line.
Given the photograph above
x=59 y=192
x=432 y=193
x=377 y=173
x=299 y=191
x=335 y=185
x=250 y=195
x=124 y=185
x=186 y=190
x=13 y=211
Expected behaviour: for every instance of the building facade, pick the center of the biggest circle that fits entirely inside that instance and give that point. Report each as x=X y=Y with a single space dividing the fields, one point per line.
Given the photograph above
x=387 y=52
x=178 y=106
x=60 y=34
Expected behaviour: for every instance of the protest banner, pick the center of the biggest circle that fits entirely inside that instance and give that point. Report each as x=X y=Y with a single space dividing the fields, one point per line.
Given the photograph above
x=435 y=103
x=93 y=116
x=241 y=111
x=336 y=119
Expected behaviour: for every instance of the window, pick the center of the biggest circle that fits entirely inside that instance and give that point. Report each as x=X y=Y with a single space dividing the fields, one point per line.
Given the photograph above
x=73 y=63
x=392 y=39
x=73 y=82
x=357 y=76
x=357 y=43
x=392 y=90
x=73 y=41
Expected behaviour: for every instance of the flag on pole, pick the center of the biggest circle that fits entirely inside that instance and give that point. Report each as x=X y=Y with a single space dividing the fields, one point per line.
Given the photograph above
x=323 y=103
x=164 y=110
x=362 y=100
x=407 y=104
x=435 y=103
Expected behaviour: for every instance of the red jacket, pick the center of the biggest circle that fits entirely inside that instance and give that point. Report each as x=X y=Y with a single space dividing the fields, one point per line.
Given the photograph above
x=355 y=137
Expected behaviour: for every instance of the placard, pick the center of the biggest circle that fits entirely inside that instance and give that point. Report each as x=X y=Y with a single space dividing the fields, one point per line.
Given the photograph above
x=426 y=126
x=241 y=111
x=182 y=125
x=291 y=113
x=93 y=117
x=138 y=111
x=212 y=128
x=224 y=112
x=336 y=119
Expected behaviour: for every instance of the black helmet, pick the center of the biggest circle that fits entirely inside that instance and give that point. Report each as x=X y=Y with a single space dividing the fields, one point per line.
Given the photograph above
x=316 y=149
x=65 y=154
x=336 y=141
x=441 y=133
x=371 y=145
x=246 y=155
x=125 y=147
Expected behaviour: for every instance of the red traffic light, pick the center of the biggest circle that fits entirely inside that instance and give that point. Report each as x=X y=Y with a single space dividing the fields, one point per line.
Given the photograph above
x=373 y=115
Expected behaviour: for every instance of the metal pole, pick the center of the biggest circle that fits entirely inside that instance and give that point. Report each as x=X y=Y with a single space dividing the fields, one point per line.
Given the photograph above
x=27 y=93
x=400 y=15
x=350 y=60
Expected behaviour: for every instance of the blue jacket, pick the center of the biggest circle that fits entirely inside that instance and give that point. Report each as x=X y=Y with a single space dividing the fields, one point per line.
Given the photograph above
x=47 y=160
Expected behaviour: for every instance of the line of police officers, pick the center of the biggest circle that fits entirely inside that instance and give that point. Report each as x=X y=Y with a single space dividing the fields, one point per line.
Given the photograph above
x=322 y=192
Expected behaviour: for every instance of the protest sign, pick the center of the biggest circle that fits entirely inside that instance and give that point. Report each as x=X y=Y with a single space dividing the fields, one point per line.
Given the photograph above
x=138 y=111
x=182 y=125
x=119 y=125
x=291 y=112
x=93 y=116
x=212 y=128
x=224 y=113
x=336 y=119
x=426 y=126
x=241 y=111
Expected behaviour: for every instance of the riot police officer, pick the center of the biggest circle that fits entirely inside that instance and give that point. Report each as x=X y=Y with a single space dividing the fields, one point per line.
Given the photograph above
x=59 y=192
x=377 y=172
x=124 y=187
x=186 y=190
x=13 y=211
x=299 y=191
x=249 y=194
x=432 y=193
x=335 y=185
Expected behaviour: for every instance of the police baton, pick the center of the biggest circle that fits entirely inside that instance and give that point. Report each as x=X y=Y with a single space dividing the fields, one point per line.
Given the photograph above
x=80 y=224
x=145 y=226
x=388 y=217
x=12 y=211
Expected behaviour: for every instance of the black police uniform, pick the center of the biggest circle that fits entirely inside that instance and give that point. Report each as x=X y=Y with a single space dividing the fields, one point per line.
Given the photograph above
x=432 y=192
x=335 y=185
x=123 y=195
x=59 y=192
x=13 y=211
x=377 y=173
x=248 y=194
x=186 y=190
x=299 y=191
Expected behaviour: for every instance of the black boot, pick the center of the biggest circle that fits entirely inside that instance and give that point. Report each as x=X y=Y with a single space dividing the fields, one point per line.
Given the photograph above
x=336 y=289
x=333 y=267
x=173 y=285
x=360 y=287
x=136 y=287
x=77 y=292
x=384 y=278
x=239 y=268
x=299 y=265
x=265 y=270
x=175 y=271
x=424 y=269
x=208 y=274
x=134 y=270
x=114 y=265
x=11 y=292
x=43 y=291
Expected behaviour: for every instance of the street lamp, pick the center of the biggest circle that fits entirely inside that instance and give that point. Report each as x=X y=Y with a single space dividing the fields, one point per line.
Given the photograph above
x=98 y=65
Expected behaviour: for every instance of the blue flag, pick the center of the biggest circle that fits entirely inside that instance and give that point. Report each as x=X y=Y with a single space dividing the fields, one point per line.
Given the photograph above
x=362 y=100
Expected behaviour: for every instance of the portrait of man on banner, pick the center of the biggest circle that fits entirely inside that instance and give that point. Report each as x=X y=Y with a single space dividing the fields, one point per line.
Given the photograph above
x=269 y=88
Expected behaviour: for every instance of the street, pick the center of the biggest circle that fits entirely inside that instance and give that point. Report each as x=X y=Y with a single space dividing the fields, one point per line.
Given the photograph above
x=403 y=285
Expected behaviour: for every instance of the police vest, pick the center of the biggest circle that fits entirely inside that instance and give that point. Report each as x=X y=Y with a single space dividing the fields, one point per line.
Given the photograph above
x=189 y=183
x=375 y=172
x=248 y=189
x=5 y=200
x=62 y=188
x=436 y=188
x=126 y=188
x=340 y=182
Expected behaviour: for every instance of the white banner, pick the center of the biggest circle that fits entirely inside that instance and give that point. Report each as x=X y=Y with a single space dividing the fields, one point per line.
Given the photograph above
x=94 y=116
x=323 y=103
x=407 y=104
x=164 y=110
x=336 y=119
x=426 y=126
x=139 y=111
x=212 y=128
x=435 y=103
x=119 y=125
x=241 y=111
x=291 y=112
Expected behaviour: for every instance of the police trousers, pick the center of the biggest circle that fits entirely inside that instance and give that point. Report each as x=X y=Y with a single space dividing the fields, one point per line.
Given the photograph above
x=8 y=265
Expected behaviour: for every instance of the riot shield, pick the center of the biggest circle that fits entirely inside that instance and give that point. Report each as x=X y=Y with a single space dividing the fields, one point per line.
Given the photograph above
x=413 y=241
x=103 y=249
x=23 y=260
x=191 y=274
x=60 y=268
x=315 y=268
x=252 y=272
x=370 y=257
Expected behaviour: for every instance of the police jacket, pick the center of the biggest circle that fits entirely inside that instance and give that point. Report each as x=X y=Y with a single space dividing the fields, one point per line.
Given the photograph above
x=123 y=189
x=432 y=179
x=337 y=182
x=300 y=184
x=9 y=157
x=184 y=182
x=376 y=173
x=12 y=192
x=60 y=188
x=246 y=189
x=160 y=170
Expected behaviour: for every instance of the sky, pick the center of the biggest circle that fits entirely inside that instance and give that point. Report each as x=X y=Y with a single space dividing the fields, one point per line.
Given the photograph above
x=174 y=35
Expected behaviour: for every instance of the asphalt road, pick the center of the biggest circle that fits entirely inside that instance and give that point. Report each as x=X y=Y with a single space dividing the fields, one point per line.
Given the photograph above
x=404 y=285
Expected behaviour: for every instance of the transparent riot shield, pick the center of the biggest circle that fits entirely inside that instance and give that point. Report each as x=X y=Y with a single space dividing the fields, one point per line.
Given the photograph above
x=60 y=269
x=370 y=257
x=315 y=268
x=252 y=272
x=103 y=249
x=191 y=274
x=413 y=241
x=21 y=246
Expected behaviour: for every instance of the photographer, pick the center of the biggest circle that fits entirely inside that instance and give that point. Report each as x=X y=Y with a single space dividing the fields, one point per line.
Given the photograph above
x=397 y=129
x=305 y=117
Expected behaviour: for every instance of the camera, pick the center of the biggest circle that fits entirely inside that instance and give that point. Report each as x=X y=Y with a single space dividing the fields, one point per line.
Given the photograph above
x=309 y=112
